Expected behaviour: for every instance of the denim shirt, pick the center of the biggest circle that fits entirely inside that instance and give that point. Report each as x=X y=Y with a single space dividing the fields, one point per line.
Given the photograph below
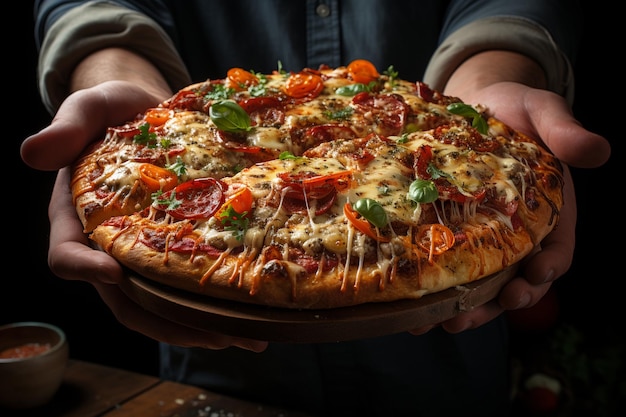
x=211 y=36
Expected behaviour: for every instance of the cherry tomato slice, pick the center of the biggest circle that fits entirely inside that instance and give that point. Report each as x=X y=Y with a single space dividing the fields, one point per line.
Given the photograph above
x=157 y=178
x=240 y=79
x=304 y=84
x=241 y=201
x=361 y=224
x=157 y=116
x=199 y=199
x=435 y=239
x=362 y=71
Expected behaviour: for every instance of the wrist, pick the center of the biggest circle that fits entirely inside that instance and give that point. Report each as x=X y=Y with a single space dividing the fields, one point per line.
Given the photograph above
x=489 y=67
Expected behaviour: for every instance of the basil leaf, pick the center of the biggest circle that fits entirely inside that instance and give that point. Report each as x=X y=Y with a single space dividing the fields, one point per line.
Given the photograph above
x=287 y=155
x=468 y=111
x=423 y=191
x=351 y=89
x=372 y=211
x=229 y=116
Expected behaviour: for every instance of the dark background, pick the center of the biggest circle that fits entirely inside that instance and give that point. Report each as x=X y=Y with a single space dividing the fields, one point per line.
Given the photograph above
x=589 y=294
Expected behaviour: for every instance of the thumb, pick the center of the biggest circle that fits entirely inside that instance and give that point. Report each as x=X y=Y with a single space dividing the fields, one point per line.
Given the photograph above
x=82 y=118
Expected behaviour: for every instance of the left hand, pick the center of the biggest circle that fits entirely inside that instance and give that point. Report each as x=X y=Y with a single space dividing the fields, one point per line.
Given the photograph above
x=545 y=115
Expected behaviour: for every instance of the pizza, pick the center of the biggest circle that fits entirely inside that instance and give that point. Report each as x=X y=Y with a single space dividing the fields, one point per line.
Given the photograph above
x=316 y=189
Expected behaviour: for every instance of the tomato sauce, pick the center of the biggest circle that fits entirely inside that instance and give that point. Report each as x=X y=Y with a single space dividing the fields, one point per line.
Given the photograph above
x=24 y=351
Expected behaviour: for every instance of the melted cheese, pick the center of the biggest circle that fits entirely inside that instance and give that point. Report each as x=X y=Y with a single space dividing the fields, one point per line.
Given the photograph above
x=470 y=171
x=387 y=180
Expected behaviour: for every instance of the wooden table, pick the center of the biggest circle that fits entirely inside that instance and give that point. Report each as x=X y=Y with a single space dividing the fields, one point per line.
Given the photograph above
x=93 y=390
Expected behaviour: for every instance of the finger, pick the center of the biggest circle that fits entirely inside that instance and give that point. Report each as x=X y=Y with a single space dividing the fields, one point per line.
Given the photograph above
x=80 y=120
x=554 y=122
x=136 y=318
x=472 y=319
x=70 y=256
x=519 y=293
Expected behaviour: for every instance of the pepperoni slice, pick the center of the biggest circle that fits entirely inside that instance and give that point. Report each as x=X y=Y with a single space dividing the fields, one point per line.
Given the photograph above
x=468 y=138
x=186 y=100
x=264 y=111
x=326 y=133
x=196 y=199
x=298 y=205
x=388 y=112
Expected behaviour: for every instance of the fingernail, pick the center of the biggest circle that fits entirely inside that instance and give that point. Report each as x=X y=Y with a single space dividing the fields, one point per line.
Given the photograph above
x=549 y=276
x=524 y=300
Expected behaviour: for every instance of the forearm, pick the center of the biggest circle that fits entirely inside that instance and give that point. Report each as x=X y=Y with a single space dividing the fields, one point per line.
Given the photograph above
x=78 y=48
x=489 y=67
x=500 y=48
x=119 y=64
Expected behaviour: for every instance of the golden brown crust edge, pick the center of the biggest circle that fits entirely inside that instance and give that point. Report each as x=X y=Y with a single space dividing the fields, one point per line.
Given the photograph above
x=277 y=284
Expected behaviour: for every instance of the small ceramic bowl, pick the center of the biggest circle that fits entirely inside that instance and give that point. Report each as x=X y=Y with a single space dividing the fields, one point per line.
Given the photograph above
x=33 y=358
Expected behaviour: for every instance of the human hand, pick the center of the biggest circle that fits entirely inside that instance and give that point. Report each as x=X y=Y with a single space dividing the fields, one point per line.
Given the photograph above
x=82 y=118
x=545 y=115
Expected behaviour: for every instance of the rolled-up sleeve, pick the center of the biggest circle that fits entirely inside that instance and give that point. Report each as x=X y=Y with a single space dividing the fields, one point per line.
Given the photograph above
x=511 y=33
x=92 y=26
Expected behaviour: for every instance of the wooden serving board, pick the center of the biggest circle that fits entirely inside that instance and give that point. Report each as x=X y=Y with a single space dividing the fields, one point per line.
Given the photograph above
x=310 y=326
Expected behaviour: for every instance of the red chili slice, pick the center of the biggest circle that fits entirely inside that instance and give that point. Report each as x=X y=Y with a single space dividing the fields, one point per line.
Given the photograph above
x=361 y=224
x=199 y=199
x=311 y=185
x=435 y=239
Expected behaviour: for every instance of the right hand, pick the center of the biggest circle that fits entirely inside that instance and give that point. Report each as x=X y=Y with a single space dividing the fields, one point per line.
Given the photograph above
x=82 y=118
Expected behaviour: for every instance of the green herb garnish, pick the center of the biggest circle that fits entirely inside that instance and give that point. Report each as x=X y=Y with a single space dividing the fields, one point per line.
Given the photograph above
x=229 y=116
x=465 y=110
x=342 y=114
x=145 y=137
x=171 y=202
x=235 y=222
x=287 y=155
x=178 y=167
x=372 y=211
x=423 y=191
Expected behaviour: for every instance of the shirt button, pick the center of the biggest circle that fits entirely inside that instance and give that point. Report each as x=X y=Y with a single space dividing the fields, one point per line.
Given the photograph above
x=322 y=10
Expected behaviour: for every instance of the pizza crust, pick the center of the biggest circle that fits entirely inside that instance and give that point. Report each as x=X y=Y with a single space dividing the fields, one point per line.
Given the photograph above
x=280 y=283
